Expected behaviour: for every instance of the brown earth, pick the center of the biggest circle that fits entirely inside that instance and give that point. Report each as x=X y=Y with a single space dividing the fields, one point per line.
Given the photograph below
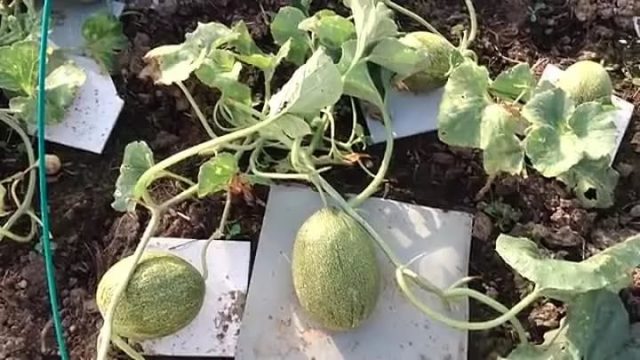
x=89 y=235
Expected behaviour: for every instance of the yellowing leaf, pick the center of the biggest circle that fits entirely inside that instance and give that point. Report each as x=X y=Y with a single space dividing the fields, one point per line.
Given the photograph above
x=216 y=174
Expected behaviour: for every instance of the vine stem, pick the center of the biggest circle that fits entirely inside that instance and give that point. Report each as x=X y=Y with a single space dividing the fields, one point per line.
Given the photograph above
x=148 y=176
x=417 y=18
x=104 y=338
x=196 y=108
x=473 y=19
x=24 y=206
x=464 y=325
x=384 y=165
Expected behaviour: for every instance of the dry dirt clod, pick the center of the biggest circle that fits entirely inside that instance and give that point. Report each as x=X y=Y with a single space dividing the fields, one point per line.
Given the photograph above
x=547 y=315
x=635 y=142
x=482 y=226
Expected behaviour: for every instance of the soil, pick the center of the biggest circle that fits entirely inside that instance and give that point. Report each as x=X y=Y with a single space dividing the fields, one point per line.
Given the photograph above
x=89 y=235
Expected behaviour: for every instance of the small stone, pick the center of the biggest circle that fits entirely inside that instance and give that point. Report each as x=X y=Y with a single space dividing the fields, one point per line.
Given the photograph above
x=22 y=284
x=73 y=328
x=635 y=211
x=482 y=226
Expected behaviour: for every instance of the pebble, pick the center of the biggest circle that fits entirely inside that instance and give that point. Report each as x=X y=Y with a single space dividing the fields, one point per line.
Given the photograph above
x=635 y=211
x=482 y=226
x=22 y=284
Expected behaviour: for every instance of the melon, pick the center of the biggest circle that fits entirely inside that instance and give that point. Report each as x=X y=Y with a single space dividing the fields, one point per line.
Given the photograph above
x=440 y=55
x=586 y=81
x=335 y=271
x=165 y=293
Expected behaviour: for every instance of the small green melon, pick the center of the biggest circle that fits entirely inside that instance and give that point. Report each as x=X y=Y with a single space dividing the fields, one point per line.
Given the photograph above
x=335 y=270
x=440 y=55
x=586 y=81
x=164 y=295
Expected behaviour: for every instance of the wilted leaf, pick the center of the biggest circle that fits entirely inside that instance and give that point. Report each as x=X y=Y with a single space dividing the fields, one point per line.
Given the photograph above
x=593 y=182
x=464 y=100
x=103 y=36
x=561 y=135
x=176 y=62
x=286 y=129
x=243 y=42
x=285 y=27
x=332 y=30
x=216 y=174
x=61 y=87
x=18 y=67
x=503 y=151
x=138 y=158
x=373 y=22
x=220 y=70
x=515 y=82
x=596 y=327
x=357 y=80
x=563 y=280
x=402 y=59
x=313 y=86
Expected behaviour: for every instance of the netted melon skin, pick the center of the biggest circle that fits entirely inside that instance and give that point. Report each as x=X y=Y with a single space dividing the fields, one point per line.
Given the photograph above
x=164 y=295
x=586 y=81
x=335 y=270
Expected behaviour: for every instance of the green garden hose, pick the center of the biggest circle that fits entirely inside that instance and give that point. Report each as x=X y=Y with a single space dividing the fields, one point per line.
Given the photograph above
x=42 y=183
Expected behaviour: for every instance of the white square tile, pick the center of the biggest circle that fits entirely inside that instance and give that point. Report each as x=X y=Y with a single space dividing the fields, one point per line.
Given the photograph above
x=411 y=114
x=214 y=332
x=275 y=327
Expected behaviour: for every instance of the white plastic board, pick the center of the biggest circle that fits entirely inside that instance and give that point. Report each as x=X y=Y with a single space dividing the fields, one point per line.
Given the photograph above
x=91 y=118
x=275 y=327
x=411 y=114
x=215 y=331
x=623 y=114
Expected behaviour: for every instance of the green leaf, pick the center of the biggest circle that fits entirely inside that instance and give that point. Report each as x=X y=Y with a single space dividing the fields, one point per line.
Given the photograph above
x=286 y=129
x=596 y=327
x=175 y=63
x=549 y=108
x=332 y=30
x=596 y=129
x=137 y=159
x=303 y=5
x=516 y=82
x=244 y=43
x=61 y=87
x=3 y=208
x=18 y=67
x=285 y=27
x=373 y=22
x=562 y=135
x=550 y=151
x=220 y=70
x=267 y=63
x=503 y=151
x=103 y=36
x=216 y=174
x=402 y=59
x=463 y=102
x=313 y=86
x=593 y=182
x=563 y=280
x=357 y=81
